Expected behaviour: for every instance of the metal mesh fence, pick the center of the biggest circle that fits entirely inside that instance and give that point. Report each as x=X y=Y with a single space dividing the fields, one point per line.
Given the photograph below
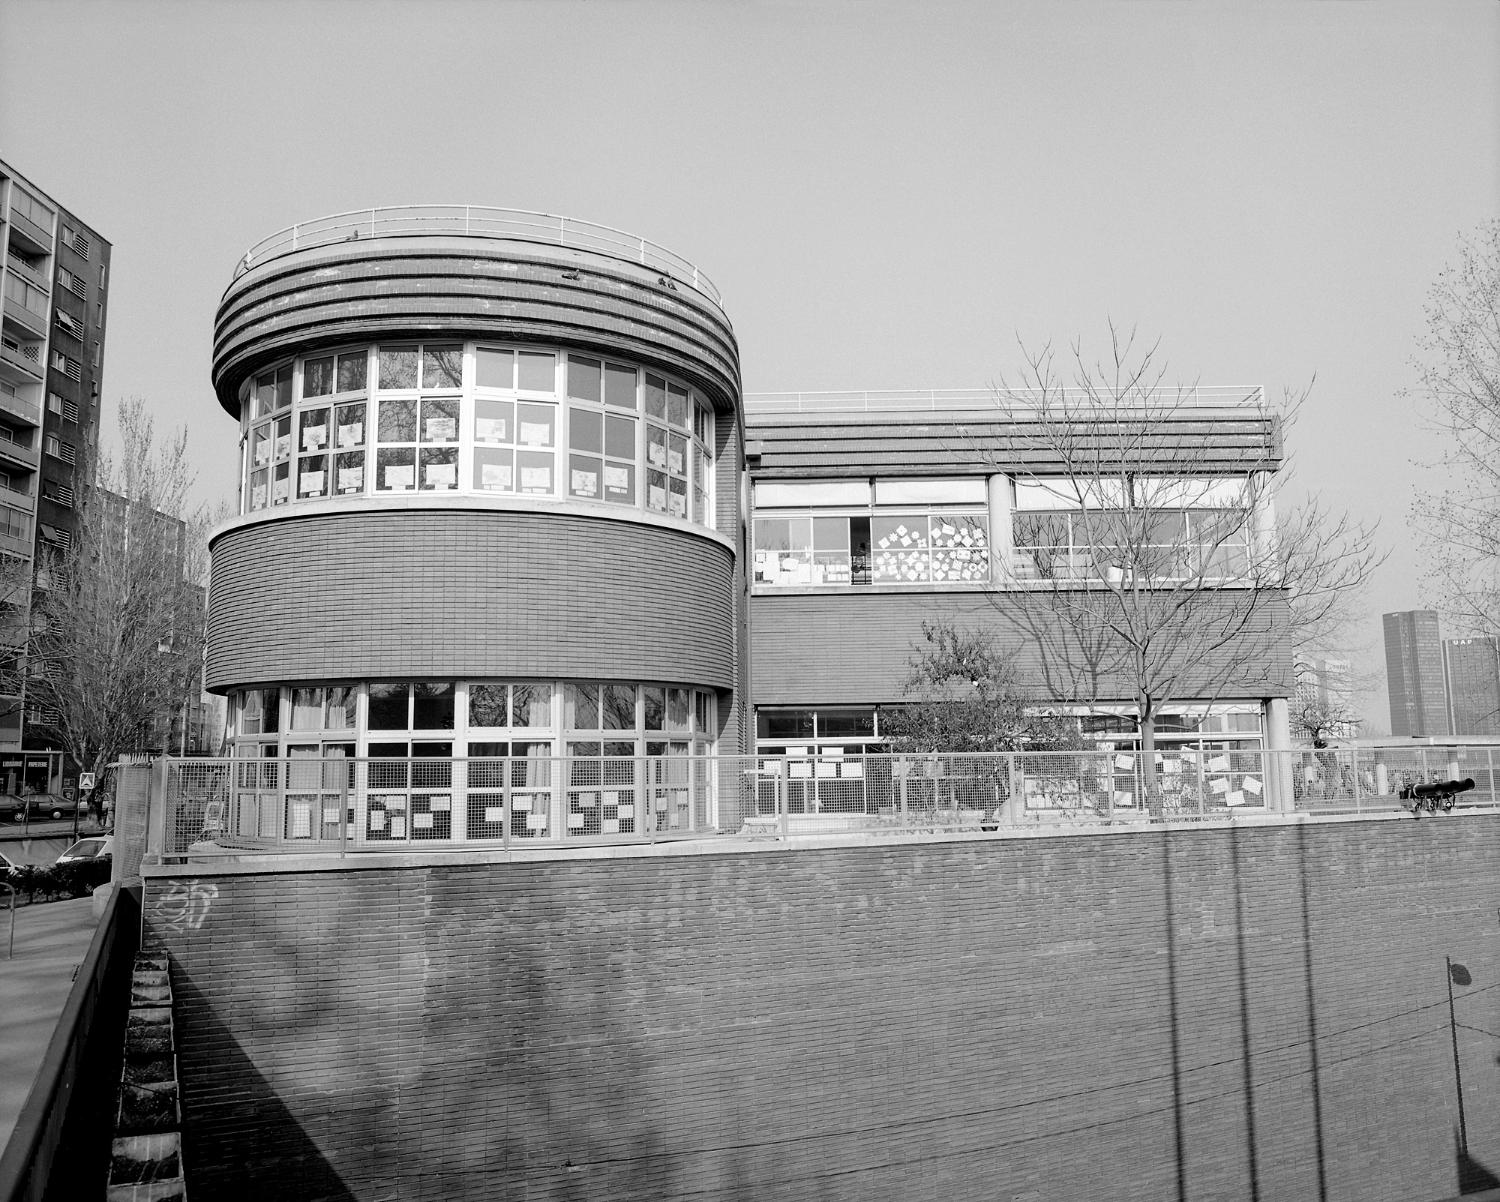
x=126 y=788
x=350 y=804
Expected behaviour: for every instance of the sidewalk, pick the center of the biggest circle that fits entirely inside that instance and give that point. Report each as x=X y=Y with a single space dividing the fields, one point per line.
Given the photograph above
x=51 y=940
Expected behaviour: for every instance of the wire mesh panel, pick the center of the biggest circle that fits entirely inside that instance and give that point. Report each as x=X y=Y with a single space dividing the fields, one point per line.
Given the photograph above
x=1067 y=787
x=129 y=785
x=604 y=791
x=1328 y=778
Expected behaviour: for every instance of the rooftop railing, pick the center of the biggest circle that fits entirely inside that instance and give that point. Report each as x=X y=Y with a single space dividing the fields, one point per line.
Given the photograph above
x=476 y=221
x=992 y=400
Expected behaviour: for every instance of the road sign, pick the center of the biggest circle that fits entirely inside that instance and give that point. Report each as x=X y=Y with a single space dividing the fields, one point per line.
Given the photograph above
x=85 y=780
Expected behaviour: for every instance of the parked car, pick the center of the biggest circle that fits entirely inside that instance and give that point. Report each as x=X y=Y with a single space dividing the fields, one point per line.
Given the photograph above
x=39 y=805
x=99 y=847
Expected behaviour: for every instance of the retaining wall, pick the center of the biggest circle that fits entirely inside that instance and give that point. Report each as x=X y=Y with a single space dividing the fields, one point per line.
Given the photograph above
x=1252 y=1012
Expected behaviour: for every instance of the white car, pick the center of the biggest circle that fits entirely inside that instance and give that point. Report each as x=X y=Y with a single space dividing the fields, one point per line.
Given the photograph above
x=98 y=847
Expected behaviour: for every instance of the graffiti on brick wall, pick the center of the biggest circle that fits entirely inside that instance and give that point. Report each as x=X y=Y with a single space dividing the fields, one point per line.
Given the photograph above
x=185 y=904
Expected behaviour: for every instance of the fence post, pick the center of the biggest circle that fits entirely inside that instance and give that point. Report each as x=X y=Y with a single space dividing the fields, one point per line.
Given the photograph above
x=1016 y=811
x=505 y=811
x=783 y=803
x=156 y=810
x=645 y=791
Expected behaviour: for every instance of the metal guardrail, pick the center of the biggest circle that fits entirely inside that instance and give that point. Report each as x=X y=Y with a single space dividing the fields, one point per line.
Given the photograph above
x=476 y=221
x=349 y=805
x=59 y=1147
x=990 y=400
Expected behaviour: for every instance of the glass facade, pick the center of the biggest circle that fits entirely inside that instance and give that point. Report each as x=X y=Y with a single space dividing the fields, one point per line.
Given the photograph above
x=470 y=760
x=907 y=531
x=1160 y=529
x=477 y=418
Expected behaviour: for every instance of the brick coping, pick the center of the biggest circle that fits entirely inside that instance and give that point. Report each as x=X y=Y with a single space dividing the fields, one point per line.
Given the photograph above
x=261 y=863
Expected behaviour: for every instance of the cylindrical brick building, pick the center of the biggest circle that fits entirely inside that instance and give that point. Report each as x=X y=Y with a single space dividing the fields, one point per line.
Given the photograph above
x=489 y=510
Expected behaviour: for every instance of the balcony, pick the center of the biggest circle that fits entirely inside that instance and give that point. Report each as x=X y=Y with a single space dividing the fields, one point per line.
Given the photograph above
x=20 y=361
x=28 y=234
x=20 y=409
x=15 y=454
x=15 y=499
x=28 y=320
x=15 y=530
x=34 y=274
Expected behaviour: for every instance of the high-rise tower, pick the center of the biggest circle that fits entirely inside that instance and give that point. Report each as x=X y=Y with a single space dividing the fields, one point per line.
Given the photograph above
x=51 y=363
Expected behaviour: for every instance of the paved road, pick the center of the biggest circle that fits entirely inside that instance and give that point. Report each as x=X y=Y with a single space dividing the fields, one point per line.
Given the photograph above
x=37 y=851
x=63 y=829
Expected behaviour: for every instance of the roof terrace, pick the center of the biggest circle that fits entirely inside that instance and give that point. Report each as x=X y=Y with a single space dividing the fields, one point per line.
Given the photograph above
x=991 y=400
x=476 y=221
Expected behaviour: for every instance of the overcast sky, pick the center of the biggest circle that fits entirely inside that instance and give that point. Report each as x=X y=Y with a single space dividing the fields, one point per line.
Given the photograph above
x=888 y=194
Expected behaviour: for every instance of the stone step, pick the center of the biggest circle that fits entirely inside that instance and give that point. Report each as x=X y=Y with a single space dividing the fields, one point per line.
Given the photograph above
x=143 y=994
x=149 y=1191
x=148 y=1033
x=141 y=1158
x=148 y=1108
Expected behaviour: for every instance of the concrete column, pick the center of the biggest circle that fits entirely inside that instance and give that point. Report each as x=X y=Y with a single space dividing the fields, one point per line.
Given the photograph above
x=1279 y=747
x=1001 y=541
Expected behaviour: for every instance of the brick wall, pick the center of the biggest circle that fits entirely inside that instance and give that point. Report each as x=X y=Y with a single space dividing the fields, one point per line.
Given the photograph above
x=855 y=646
x=1203 y=1015
x=450 y=593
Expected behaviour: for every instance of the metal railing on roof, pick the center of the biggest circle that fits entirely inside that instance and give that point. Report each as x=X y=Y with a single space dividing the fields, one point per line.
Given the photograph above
x=991 y=400
x=477 y=221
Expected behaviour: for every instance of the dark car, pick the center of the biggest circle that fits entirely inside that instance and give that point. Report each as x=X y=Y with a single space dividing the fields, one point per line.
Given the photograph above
x=40 y=806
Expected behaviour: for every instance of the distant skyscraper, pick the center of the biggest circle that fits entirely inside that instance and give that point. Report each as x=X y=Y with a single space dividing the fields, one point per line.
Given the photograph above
x=1414 y=673
x=1473 y=672
x=56 y=281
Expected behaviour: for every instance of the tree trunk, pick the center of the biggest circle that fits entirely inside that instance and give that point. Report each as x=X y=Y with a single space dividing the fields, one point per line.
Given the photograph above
x=1150 y=780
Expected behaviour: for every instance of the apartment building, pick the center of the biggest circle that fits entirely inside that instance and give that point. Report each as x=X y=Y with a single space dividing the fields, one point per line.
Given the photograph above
x=51 y=364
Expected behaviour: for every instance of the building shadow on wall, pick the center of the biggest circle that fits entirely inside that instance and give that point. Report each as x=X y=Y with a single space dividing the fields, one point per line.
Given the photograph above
x=252 y=1147
x=1247 y=1084
x=1473 y=1177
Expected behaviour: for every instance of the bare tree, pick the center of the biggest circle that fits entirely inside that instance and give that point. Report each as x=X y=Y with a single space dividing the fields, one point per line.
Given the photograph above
x=1459 y=386
x=1320 y=709
x=963 y=694
x=118 y=615
x=1146 y=565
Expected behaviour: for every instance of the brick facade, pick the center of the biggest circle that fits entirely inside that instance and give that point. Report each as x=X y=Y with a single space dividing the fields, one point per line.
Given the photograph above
x=823 y=648
x=448 y=593
x=1203 y=1014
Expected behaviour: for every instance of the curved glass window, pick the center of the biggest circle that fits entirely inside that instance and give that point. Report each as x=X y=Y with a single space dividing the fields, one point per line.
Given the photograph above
x=477 y=418
x=404 y=761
